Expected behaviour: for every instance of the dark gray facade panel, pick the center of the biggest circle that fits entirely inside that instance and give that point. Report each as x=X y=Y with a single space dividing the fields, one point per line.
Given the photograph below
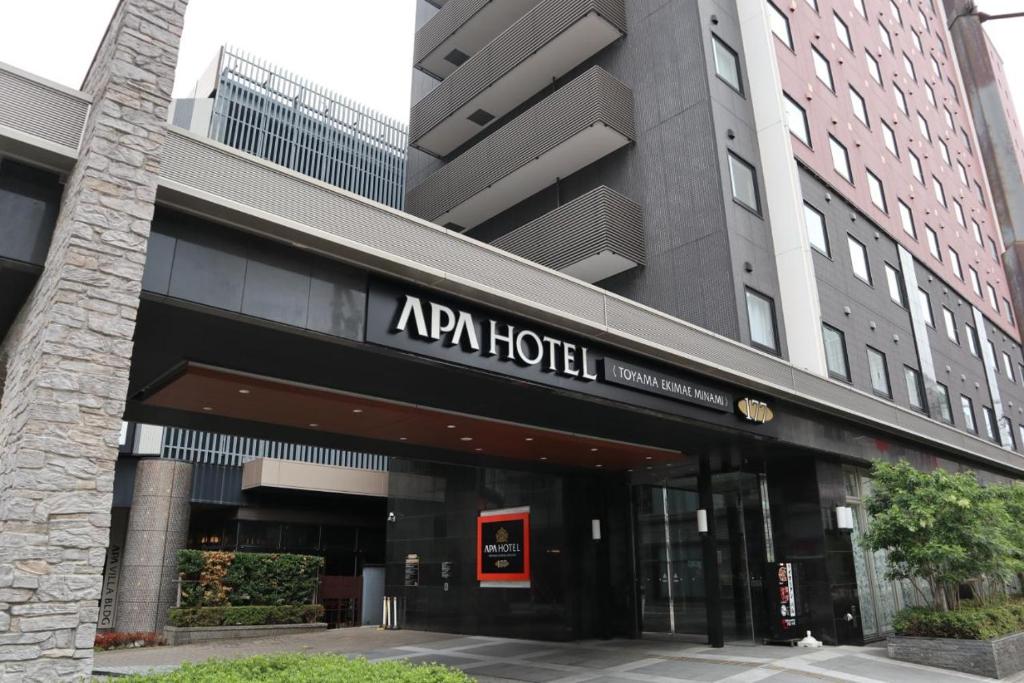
x=276 y=285
x=600 y=220
x=594 y=98
x=208 y=270
x=521 y=40
x=156 y=277
x=217 y=484
x=29 y=203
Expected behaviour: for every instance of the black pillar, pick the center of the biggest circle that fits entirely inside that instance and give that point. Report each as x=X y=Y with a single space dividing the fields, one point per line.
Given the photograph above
x=712 y=595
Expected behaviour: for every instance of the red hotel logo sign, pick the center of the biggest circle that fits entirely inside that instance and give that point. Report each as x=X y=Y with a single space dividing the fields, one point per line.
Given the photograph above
x=503 y=547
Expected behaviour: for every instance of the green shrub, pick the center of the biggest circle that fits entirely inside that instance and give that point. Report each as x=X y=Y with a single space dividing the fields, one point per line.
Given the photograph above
x=970 y=621
x=295 y=668
x=250 y=615
x=238 y=579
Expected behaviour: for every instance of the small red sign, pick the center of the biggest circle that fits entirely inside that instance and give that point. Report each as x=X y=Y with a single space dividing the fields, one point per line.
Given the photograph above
x=503 y=547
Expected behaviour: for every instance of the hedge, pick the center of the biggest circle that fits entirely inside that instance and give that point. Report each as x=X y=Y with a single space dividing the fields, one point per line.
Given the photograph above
x=216 y=579
x=297 y=668
x=969 y=622
x=252 y=615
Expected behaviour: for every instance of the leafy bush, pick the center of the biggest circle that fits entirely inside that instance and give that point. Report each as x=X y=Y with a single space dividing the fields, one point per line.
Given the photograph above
x=295 y=668
x=250 y=615
x=214 y=579
x=977 y=622
x=109 y=640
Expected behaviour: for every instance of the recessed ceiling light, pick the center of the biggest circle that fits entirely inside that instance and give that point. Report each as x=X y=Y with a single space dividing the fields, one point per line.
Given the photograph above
x=313 y=424
x=477 y=449
x=244 y=391
x=529 y=438
x=357 y=410
x=649 y=457
x=465 y=438
x=451 y=426
x=543 y=457
x=207 y=408
x=593 y=450
x=598 y=465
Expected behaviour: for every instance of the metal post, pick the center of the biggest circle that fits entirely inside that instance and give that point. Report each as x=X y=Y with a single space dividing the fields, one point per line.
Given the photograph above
x=712 y=584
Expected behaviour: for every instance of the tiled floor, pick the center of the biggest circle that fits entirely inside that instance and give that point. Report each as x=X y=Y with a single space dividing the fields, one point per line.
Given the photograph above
x=499 y=660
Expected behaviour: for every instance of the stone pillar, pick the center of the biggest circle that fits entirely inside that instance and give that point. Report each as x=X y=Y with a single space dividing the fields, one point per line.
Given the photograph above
x=69 y=352
x=157 y=529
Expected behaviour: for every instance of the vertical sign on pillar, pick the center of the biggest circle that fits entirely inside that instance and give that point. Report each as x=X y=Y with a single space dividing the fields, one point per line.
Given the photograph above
x=112 y=569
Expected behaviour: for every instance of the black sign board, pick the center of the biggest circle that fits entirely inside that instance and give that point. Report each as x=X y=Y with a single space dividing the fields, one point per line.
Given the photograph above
x=412 y=570
x=785 y=603
x=503 y=547
x=662 y=384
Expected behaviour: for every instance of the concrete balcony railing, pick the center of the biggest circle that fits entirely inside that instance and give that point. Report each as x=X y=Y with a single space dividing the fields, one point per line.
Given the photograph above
x=461 y=29
x=545 y=44
x=585 y=120
x=595 y=236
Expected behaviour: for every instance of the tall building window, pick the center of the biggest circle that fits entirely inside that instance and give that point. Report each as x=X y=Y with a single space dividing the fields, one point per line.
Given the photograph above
x=962 y=172
x=796 y=120
x=915 y=166
x=744 y=183
x=976 y=231
x=951 y=330
x=840 y=158
x=895 y=284
x=967 y=405
x=727 y=64
x=908 y=66
x=915 y=389
x=877 y=192
x=922 y=125
x=958 y=211
x=1008 y=367
x=873 y=68
x=901 y=99
x=835 y=353
x=761 y=316
x=889 y=138
x=980 y=192
x=779 y=23
x=937 y=70
x=1009 y=310
x=916 y=37
x=929 y=92
x=894 y=10
x=842 y=31
x=886 y=38
x=907 y=219
x=989 y=418
x=972 y=340
x=975 y=280
x=879 y=372
x=940 y=192
x=944 y=150
x=933 y=243
x=822 y=69
x=992 y=251
x=945 y=407
x=860 y=109
x=1007 y=429
x=859 y=259
x=859 y=6
x=817 y=234
x=954 y=261
x=926 y=307
x=993 y=302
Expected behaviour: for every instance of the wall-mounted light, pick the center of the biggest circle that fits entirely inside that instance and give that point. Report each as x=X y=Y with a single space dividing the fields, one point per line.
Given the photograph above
x=844 y=517
x=702 y=521
x=391 y=517
x=595 y=529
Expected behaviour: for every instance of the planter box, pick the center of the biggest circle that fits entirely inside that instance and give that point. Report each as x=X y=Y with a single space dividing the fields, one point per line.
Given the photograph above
x=178 y=635
x=996 y=658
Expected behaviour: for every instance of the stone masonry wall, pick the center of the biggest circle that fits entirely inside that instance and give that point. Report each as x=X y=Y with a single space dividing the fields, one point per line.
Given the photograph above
x=68 y=357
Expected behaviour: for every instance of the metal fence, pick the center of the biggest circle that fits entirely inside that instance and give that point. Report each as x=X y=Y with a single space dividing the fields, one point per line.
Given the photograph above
x=224 y=449
x=278 y=116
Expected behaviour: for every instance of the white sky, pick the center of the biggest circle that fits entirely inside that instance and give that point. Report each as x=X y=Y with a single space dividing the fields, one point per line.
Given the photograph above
x=359 y=48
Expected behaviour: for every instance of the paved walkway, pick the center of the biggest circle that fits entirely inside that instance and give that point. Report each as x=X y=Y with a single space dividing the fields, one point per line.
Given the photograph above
x=500 y=660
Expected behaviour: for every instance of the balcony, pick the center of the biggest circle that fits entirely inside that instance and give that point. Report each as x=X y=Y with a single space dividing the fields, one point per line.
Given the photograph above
x=595 y=236
x=461 y=29
x=546 y=43
x=585 y=120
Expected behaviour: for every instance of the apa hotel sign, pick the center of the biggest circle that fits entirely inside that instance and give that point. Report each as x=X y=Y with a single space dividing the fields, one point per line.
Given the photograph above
x=503 y=546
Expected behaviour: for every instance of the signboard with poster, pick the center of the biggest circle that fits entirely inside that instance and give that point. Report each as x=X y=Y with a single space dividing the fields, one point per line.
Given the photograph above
x=784 y=608
x=503 y=549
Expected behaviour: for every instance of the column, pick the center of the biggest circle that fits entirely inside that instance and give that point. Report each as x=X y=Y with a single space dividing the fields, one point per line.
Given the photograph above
x=67 y=357
x=157 y=530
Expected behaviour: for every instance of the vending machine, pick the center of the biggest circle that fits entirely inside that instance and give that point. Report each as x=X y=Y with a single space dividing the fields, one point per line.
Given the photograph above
x=785 y=602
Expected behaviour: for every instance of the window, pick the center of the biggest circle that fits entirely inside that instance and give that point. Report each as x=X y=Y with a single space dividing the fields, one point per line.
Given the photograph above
x=879 y=373
x=933 y=243
x=1008 y=367
x=972 y=341
x=779 y=23
x=1009 y=310
x=895 y=12
x=761 y=317
x=951 y=331
x=859 y=6
x=822 y=69
x=976 y=231
x=895 y=283
x=992 y=355
x=842 y=31
x=958 y=209
x=835 y=353
x=940 y=192
x=945 y=408
x=954 y=261
x=980 y=192
x=908 y=66
x=929 y=92
x=860 y=109
x=926 y=307
x=873 y=68
x=890 y=140
x=923 y=19
x=956 y=95
x=817 y=234
x=922 y=125
x=915 y=166
x=877 y=192
x=840 y=159
x=1007 y=429
x=907 y=219
x=975 y=280
x=727 y=64
x=990 y=423
x=1020 y=430
x=967 y=140
x=901 y=99
x=944 y=150
x=796 y=120
x=992 y=248
x=949 y=117
x=915 y=389
x=916 y=37
x=937 y=70
x=886 y=38
x=962 y=172
x=744 y=183
x=992 y=296
x=859 y=259
x=813 y=4
x=968 y=407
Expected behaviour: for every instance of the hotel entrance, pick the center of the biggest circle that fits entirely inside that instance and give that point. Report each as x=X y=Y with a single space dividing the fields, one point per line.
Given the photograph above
x=700 y=563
